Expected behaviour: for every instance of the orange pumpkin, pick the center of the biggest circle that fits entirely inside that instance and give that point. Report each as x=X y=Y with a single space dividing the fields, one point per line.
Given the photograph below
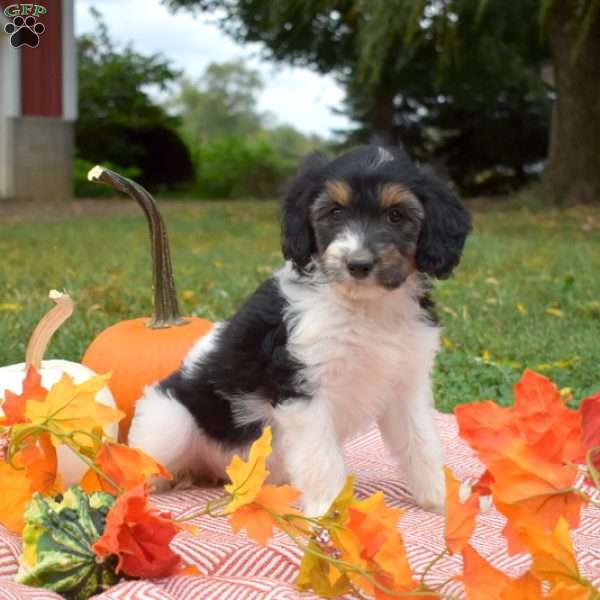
x=141 y=351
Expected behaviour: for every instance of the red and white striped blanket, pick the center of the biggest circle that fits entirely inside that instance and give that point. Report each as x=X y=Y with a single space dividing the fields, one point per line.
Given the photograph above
x=235 y=568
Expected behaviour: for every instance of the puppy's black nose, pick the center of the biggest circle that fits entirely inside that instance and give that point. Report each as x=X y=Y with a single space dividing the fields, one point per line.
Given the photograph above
x=360 y=268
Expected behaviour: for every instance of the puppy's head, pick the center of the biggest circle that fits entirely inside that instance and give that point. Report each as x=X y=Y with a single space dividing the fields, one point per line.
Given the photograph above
x=370 y=218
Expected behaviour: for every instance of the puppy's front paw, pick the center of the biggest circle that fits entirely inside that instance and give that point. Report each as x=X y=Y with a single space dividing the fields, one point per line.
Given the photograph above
x=316 y=508
x=429 y=489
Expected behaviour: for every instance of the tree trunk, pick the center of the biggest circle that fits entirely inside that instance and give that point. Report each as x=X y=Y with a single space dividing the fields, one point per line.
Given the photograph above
x=573 y=169
x=382 y=117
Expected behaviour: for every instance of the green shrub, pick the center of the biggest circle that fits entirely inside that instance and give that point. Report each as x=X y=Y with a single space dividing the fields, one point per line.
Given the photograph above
x=232 y=167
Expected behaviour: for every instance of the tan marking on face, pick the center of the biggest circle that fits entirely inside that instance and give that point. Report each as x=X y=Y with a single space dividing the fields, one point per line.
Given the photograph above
x=338 y=191
x=390 y=257
x=392 y=194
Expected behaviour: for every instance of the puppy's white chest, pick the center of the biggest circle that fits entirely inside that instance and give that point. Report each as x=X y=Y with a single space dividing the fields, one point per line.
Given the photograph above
x=358 y=357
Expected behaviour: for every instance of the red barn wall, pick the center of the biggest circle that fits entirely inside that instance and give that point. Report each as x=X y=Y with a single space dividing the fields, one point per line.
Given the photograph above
x=41 y=67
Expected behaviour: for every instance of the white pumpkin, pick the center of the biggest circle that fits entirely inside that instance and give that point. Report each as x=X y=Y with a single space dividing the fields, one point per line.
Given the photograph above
x=70 y=466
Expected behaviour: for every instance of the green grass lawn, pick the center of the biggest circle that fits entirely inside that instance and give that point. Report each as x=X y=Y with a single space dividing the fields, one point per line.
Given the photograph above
x=527 y=293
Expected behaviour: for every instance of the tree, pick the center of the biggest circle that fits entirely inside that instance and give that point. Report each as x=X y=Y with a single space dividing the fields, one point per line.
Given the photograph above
x=573 y=169
x=119 y=122
x=221 y=103
x=373 y=44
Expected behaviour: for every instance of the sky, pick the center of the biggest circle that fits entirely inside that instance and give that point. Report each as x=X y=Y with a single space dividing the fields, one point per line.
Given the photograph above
x=294 y=95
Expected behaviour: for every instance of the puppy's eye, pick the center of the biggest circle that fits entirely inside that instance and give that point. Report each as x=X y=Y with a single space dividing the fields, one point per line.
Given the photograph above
x=336 y=213
x=395 y=215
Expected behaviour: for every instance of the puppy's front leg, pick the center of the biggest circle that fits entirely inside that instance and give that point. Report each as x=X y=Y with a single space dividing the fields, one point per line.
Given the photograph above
x=307 y=442
x=410 y=434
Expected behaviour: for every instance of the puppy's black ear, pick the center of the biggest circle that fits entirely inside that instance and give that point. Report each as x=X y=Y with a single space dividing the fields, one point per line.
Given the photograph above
x=445 y=227
x=298 y=241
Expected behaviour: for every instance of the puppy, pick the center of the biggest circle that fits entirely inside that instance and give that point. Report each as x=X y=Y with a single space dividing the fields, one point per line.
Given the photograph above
x=342 y=335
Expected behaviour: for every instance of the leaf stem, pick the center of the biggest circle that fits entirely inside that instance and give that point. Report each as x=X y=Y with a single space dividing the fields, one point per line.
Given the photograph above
x=593 y=472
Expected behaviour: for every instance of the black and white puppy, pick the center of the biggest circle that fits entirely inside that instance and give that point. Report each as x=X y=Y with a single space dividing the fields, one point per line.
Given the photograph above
x=342 y=335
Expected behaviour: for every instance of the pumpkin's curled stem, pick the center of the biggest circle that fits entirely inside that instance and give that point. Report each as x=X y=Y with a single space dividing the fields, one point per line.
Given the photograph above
x=166 y=309
x=46 y=328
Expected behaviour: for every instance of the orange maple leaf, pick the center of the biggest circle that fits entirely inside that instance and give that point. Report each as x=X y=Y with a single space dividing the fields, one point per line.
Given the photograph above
x=590 y=416
x=542 y=418
x=14 y=404
x=460 y=514
x=16 y=493
x=526 y=587
x=479 y=576
x=539 y=417
x=481 y=424
x=523 y=476
x=258 y=519
x=139 y=536
x=127 y=467
x=38 y=457
x=373 y=542
x=571 y=591
x=553 y=555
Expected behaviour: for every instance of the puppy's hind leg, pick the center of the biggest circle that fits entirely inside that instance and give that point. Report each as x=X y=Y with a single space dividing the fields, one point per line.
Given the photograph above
x=164 y=428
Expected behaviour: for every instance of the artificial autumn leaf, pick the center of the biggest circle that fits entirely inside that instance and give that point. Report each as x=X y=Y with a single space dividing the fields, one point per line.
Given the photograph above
x=248 y=477
x=479 y=576
x=542 y=417
x=139 y=536
x=553 y=554
x=523 y=476
x=256 y=517
x=72 y=408
x=38 y=457
x=539 y=418
x=460 y=514
x=571 y=591
x=526 y=587
x=16 y=493
x=127 y=467
x=397 y=574
x=318 y=575
x=590 y=416
x=483 y=486
x=373 y=523
x=14 y=404
x=372 y=541
x=482 y=423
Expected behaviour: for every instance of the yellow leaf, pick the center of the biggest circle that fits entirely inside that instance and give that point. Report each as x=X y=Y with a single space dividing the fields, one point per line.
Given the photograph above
x=10 y=307
x=248 y=477
x=486 y=356
x=447 y=343
x=554 y=312
x=565 y=364
x=188 y=295
x=316 y=574
x=72 y=408
x=492 y=281
x=521 y=308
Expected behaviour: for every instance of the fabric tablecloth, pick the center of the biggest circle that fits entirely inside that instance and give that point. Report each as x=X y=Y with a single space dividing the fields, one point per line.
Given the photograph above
x=235 y=568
